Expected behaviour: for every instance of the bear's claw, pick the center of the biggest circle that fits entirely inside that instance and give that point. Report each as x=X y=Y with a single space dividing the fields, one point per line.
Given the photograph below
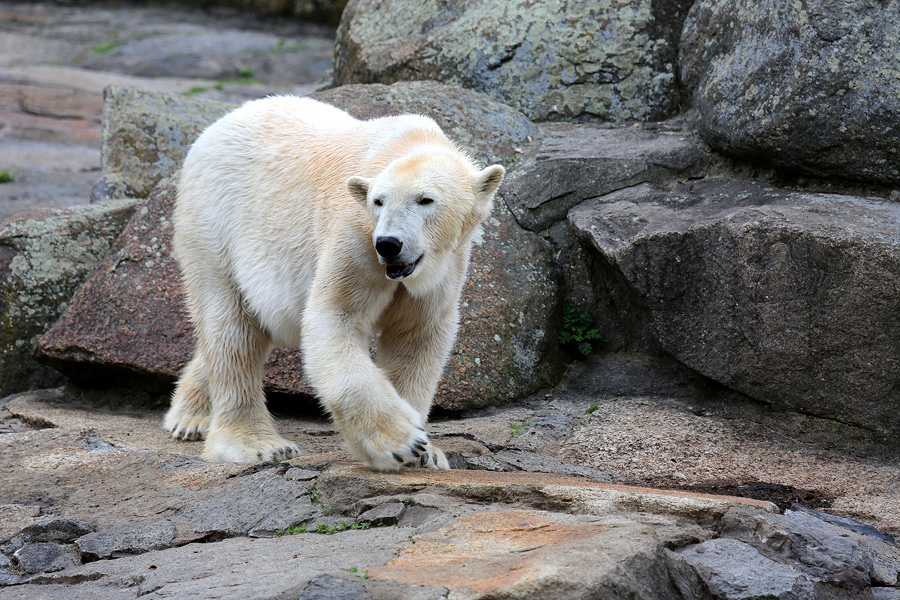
x=185 y=427
x=248 y=447
x=433 y=458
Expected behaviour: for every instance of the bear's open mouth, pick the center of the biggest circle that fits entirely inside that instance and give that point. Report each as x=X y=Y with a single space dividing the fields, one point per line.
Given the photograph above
x=401 y=270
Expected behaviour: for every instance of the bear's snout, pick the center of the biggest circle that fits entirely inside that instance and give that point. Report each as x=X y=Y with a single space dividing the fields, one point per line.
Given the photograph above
x=388 y=247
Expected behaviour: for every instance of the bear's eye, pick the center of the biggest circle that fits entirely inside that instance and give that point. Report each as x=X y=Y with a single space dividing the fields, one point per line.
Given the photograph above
x=426 y=201
x=377 y=202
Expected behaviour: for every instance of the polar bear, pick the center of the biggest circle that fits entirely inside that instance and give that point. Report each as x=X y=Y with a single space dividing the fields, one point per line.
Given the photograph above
x=299 y=225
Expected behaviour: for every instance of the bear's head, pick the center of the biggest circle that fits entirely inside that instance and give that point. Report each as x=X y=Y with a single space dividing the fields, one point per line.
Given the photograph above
x=424 y=207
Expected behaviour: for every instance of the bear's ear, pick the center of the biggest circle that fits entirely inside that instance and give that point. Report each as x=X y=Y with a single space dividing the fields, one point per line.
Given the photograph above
x=488 y=180
x=358 y=188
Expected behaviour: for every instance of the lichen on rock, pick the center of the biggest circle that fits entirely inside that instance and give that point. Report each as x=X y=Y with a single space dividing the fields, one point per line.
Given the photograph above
x=610 y=60
x=44 y=257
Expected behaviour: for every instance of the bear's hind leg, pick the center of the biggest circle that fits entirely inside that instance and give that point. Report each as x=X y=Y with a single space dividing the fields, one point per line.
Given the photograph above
x=234 y=348
x=241 y=429
x=188 y=418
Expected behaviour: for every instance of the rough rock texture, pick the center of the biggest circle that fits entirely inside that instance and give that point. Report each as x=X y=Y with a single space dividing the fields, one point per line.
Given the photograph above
x=726 y=568
x=126 y=540
x=808 y=86
x=489 y=130
x=130 y=317
x=146 y=134
x=796 y=538
x=54 y=529
x=44 y=257
x=135 y=294
x=608 y=60
x=788 y=297
x=463 y=533
x=44 y=557
x=571 y=163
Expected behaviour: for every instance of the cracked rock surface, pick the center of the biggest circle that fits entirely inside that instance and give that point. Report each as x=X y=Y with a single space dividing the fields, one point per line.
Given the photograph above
x=99 y=498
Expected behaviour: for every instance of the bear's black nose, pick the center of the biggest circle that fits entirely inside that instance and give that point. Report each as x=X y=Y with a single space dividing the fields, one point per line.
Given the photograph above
x=388 y=247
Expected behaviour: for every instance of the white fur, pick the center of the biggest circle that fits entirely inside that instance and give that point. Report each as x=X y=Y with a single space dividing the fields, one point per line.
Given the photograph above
x=275 y=225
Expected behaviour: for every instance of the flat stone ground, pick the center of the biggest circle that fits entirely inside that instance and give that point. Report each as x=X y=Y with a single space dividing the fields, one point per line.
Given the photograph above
x=56 y=60
x=615 y=418
x=547 y=508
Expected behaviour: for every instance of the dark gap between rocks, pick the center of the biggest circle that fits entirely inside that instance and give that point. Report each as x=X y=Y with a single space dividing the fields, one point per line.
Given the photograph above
x=783 y=496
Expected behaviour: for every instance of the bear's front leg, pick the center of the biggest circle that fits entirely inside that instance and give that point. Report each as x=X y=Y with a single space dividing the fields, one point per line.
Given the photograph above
x=381 y=428
x=417 y=335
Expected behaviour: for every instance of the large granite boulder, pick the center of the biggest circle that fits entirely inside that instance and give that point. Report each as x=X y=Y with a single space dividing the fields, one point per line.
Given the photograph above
x=129 y=316
x=582 y=60
x=146 y=134
x=44 y=257
x=791 y=298
x=810 y=87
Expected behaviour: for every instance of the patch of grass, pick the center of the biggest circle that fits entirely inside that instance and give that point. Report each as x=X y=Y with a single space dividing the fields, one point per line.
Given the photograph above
x=6 y=177
x=314 y=496
x=512 y=159
x=326 y=529
x=577 y=330
x=292 y=530
x=245 y=73
x=517 y=428
x=238 y=80
x=197 y=89
x=591 y=409
x=355 y=571
x=105 y=48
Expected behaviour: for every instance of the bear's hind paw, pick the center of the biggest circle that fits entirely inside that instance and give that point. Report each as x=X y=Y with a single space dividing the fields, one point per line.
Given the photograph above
x=186 y=427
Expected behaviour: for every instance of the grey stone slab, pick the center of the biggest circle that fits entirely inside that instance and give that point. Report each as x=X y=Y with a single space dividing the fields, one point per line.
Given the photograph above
x=329 y=587
x=254 y=500
x=44 y=557
x=126 y=540
x=575 y=162
x=810 y=90
x=825 y=553
x=727 y=569
x=235 y=568
x=384 y=514
x=54 y=529
x=299 y=511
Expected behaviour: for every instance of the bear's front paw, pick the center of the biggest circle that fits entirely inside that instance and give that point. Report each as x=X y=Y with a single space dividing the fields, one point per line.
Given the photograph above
x=433 y=458
x=247 y=447
x=185 y=424
x=390 y=442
